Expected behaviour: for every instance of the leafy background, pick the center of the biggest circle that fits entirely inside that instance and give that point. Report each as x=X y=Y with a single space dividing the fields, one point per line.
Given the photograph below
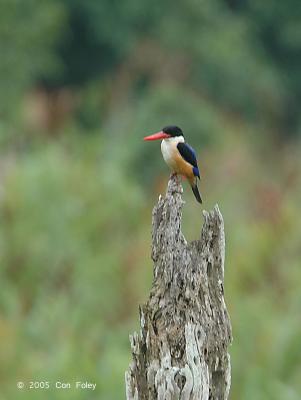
x=81 y=83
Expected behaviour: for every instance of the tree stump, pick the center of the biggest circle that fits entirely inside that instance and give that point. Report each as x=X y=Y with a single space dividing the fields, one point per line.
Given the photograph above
x=181 y=350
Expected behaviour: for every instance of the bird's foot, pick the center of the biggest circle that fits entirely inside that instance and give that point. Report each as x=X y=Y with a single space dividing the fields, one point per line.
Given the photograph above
x=174 y=184
x=176 y=177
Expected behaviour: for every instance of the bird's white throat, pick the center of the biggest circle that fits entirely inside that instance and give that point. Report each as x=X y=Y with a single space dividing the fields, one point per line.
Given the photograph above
x=174 y=140
x=169 y=147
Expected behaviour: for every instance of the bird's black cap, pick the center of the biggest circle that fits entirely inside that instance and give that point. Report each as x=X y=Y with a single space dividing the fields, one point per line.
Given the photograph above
x=173 y=130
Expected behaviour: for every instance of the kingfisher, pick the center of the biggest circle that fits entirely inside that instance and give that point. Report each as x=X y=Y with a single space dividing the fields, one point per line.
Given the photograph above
x=178 y=155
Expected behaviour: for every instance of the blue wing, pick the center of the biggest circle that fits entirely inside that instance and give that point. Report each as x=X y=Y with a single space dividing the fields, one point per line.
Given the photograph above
x=188 y=153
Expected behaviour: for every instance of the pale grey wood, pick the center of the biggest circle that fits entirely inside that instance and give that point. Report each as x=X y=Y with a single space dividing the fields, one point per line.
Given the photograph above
x=181 y=351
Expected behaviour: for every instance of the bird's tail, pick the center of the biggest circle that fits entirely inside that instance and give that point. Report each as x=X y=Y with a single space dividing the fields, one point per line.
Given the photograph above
x=196 y=192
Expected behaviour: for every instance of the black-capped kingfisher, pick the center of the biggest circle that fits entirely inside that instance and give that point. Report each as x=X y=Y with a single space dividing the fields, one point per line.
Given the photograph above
x=178 y=155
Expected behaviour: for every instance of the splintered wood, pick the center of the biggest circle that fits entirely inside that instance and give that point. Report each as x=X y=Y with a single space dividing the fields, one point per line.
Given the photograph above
x=181 y=349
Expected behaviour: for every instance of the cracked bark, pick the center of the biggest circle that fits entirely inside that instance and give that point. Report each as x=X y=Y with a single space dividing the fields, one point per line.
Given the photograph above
x=181 y=350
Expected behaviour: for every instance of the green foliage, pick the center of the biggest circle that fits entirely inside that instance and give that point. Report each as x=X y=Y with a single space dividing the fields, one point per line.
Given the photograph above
x=27 y=34
x=244 y=55
x=65 y=236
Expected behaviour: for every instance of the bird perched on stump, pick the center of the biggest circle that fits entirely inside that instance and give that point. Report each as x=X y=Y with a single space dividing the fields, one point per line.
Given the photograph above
x=178 y=155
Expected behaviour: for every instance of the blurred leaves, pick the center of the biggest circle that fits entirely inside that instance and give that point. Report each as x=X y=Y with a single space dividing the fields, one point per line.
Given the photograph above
x=27 y=35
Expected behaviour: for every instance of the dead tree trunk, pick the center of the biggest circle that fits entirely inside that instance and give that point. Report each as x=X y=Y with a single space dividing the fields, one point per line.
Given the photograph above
x=181 y=350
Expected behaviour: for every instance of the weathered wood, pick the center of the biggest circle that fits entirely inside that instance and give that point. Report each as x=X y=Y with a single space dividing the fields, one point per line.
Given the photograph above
x=181 y=350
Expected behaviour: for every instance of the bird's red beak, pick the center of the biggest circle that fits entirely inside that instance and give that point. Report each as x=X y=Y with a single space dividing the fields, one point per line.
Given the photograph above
x=157 y=136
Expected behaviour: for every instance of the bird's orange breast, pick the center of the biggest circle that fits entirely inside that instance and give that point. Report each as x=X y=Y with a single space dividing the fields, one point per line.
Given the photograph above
x=182 y=167
x=175 y=161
